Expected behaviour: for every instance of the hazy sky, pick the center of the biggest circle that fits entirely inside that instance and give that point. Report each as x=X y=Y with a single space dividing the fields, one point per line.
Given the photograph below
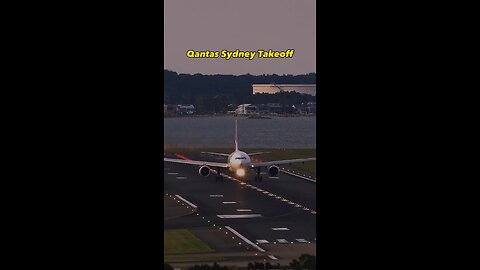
x=251 y=25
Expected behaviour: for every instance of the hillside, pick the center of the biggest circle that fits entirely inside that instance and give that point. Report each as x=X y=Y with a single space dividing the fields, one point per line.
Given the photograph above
x=220 y=90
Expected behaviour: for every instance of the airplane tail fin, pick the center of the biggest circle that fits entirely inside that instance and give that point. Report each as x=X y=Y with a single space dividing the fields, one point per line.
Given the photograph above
x=236 y=135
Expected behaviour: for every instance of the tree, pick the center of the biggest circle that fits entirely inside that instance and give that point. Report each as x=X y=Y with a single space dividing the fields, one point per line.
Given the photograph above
x=308 y=261
x=305 y=261
x=183 y=88
x=202 y=104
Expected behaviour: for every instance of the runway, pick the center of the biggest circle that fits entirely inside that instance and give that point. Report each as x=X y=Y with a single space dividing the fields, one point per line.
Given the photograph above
x=279 y=210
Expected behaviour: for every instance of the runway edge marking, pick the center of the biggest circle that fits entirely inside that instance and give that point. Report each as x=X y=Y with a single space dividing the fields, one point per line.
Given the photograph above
x=187 y=202
x=244 y=238
x=299 y=176
x=273 y=257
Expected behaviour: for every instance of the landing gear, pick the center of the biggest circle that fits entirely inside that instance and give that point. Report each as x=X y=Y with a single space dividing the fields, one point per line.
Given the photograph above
x=258 y=177
x=218 y=177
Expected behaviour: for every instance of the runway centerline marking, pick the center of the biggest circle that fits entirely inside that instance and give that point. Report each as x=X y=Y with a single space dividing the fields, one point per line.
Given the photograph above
x=282 y=241
x=173 y=173
x=240 y=216
x=244 y=238
x=301 y=240
x=244 y=210
x=281 y=229
x=229 y=202
x=216 y=196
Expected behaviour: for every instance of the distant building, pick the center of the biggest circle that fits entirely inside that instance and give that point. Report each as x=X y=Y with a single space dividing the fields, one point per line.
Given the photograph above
x=169 y=110
x=172 y=110
x=263 y=109
x=231 y=109
x=310 y=89
x=246 y=109
x=275 y=108
x=186 y=109
x=309 y=108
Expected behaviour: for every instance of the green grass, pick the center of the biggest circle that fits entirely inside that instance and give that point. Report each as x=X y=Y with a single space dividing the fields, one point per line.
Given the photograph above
x=279 y=154
x=276 y=154
x=183 y=242
x=194 y=259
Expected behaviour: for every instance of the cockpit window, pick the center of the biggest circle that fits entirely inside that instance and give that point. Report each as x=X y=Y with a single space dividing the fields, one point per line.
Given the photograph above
x=240 y=158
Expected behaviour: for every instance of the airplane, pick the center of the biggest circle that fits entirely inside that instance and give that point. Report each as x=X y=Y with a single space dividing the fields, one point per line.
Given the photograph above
x=238 y=162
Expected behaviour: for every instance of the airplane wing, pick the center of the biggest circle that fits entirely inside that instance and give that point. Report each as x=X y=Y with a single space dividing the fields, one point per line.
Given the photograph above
x=258 y=153
x=281 y=162
x=195 y=162
x=216 y=154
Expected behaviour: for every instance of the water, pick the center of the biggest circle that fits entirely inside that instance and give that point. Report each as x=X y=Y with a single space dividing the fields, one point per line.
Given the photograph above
x=279 y=132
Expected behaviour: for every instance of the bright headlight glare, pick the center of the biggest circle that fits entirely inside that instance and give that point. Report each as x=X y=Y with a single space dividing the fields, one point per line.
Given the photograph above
x=241 y=172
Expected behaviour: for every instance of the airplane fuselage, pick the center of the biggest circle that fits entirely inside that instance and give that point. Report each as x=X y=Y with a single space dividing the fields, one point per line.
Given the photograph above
x=239 y=162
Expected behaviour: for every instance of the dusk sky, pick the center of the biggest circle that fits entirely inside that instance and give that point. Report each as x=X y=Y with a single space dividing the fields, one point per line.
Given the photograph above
x=247 y=25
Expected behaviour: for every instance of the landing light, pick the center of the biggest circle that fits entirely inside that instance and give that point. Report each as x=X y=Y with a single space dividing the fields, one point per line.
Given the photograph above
x=241 y=172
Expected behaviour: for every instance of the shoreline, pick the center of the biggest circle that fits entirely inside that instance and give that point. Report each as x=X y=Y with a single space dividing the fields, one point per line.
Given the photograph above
x=240 y=116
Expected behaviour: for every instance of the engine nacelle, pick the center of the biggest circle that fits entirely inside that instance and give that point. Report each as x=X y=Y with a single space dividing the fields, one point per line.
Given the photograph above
x=204 y=171
x=273 y=170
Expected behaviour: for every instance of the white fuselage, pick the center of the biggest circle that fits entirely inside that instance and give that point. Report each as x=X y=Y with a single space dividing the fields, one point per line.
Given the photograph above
x=239 y=160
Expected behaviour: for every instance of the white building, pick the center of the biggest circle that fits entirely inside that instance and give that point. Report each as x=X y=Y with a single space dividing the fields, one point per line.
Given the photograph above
x=246 y=109
x=310 y=89
x=186 y=109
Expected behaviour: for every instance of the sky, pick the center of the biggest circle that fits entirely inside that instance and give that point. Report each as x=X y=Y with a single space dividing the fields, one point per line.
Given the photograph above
x=247 y=25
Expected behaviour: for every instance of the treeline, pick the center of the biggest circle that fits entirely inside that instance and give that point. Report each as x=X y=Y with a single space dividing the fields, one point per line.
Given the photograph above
x=212 y=93
x=305 y=261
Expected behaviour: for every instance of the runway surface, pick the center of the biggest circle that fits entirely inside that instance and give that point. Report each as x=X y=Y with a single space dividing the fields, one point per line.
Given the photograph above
x=279 y=210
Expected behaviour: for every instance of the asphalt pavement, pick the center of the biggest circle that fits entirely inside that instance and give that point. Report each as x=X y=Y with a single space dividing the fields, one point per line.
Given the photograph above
x=279 y=210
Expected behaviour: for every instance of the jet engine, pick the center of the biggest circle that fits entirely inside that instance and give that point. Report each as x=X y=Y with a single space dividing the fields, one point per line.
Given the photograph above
x=204 y=171
x=273 y=170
